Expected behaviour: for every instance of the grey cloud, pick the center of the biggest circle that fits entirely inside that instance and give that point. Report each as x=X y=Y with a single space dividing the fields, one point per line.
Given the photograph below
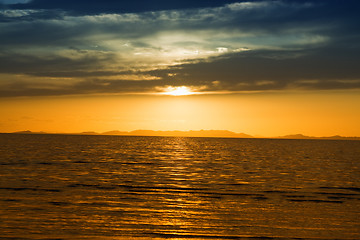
x=54 y=65
x=272 y=17
x=87 y=7
x=328 y=67
x=87 y=86
x=14 y=1
x=262 y=70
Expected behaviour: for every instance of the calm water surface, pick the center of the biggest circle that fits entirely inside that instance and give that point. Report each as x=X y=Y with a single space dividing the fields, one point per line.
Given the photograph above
x=115 y=187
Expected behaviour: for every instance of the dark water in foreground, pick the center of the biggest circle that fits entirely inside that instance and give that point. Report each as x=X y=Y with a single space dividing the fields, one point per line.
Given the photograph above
x=112 y=187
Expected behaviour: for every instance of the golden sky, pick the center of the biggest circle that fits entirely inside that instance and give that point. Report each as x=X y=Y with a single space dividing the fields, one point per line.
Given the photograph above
x=265 y=114
x=266 y=68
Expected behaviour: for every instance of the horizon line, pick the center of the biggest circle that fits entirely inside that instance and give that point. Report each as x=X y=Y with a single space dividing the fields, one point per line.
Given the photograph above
x=186 y=133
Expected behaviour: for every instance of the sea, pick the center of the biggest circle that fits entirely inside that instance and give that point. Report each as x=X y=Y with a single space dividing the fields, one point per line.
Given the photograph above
x=133 y=187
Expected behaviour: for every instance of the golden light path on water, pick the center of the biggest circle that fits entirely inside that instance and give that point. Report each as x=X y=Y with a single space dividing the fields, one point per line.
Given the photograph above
x=118 y=187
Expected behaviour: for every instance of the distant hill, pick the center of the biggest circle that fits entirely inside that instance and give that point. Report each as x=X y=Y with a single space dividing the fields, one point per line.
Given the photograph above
x=191 y=133
x=29 y=132
x=24 y=132
x=115 y=132
x=89 y=133
x=301 y=136
x=296 y=136
x=337 y=137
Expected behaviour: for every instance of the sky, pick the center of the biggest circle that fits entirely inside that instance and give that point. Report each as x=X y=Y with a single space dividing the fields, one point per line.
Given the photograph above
x=267 y=67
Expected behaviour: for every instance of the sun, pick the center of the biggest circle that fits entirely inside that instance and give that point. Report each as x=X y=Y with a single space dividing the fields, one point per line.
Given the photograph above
x=178 y=91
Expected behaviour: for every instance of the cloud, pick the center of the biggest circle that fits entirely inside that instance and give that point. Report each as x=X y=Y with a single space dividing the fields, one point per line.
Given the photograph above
x=63 y=48
x=322 y=68
x=14 y=1
x=260 y=70
x=56 y=65
x=81 y=7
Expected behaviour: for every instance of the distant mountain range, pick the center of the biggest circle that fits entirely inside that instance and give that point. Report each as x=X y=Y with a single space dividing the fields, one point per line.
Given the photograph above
x=193 y=133
x=300 y=136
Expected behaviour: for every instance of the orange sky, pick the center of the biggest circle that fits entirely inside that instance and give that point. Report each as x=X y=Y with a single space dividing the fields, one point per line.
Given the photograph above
x=267 y=114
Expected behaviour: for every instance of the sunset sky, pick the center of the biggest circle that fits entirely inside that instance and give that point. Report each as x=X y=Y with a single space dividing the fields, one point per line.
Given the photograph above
x=266 y=68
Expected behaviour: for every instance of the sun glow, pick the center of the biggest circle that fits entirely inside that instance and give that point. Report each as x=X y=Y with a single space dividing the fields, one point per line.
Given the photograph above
x=178 y=91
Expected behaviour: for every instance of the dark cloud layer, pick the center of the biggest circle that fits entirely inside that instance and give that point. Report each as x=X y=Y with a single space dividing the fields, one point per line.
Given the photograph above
x=115 y=6
x=84 y=47
x=323 y=68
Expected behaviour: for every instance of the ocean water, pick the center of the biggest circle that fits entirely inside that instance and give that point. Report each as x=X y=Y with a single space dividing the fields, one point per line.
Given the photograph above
x=116 y=187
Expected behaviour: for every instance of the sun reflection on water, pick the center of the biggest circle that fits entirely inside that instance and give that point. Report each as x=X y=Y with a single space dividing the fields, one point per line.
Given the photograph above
x=181 y=188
